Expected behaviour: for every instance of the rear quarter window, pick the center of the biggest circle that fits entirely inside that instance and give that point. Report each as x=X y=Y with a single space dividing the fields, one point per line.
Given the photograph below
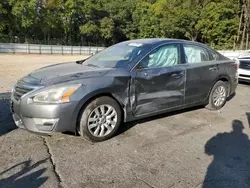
x=213 y=55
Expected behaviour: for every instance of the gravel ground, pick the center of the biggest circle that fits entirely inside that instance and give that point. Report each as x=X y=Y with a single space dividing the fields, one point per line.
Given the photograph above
x=188 y=148
x=13 y=67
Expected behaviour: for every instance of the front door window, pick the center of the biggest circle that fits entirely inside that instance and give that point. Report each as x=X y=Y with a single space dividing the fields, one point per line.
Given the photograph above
x=164 y=56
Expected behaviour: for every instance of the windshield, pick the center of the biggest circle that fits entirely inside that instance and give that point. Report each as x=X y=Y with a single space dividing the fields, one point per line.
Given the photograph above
x=116 y=56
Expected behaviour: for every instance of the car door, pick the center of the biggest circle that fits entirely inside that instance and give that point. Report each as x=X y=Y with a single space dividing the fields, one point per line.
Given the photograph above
x=201 y=72
x=158 y=81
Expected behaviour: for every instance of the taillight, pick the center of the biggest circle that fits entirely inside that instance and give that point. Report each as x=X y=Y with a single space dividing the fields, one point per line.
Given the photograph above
x=236 y=64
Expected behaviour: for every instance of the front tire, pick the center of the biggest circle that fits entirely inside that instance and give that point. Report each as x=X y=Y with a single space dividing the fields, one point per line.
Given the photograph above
x=218 y=96
x=100 y=119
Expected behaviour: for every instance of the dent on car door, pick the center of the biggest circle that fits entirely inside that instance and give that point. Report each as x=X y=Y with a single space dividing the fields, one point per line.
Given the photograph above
x=202 y=71
x=158 y=81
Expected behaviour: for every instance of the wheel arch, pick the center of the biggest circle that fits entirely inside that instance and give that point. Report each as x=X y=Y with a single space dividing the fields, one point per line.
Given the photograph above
x=223 y=78
x=95 y=96
x=227 y=80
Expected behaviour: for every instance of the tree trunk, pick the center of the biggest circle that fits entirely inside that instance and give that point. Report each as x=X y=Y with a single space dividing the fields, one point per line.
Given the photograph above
x=245 y=26
x=247 y=41
x=66 y=38
x=11 y=36
x=234 y=42
x=243 y=37
x=238 y=35
x=70 y=40
x=194 y=37
x=48 y=38
x=247 y=21
x=44 y=37
x=25 y=37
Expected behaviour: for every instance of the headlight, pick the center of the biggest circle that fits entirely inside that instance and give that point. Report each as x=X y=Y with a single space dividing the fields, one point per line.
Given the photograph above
x=56 y=95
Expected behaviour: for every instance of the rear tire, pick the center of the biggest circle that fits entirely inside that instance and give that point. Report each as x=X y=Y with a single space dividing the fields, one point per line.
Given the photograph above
x=100 y=119
x=218 y=96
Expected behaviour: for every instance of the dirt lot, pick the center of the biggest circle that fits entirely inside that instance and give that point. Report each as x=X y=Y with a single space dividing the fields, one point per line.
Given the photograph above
x=190 y=148
x=13 y=67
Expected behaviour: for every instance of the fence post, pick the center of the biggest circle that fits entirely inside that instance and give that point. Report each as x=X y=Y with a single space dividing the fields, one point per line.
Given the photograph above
x=71 y=50
x=89 y=50
x=80 y=50
x=51 y=49
x=62 y=49
x=28 y=48
x=39 y=48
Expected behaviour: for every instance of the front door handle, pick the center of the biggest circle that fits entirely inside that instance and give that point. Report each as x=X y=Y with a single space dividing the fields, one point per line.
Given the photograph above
x=177 y=75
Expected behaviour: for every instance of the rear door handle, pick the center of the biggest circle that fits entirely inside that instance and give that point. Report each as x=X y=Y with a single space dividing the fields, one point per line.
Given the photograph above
x=213 y=68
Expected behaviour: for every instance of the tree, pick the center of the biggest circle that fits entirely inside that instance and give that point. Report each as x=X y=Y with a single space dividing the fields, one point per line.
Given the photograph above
x=25 y=15
x=107 y=30
x=218 y=24
x=223 y=24
x=148 y=24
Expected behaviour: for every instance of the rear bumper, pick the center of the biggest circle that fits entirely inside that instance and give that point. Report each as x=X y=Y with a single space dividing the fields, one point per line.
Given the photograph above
x=233 y=87
x=43 y=118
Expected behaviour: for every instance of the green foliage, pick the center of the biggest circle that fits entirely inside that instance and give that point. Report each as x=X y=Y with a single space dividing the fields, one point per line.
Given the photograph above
x=148 y=24
x=90 y=29
x=107 y=28
x=3 y=13
x=219 y=24
x=104 y=22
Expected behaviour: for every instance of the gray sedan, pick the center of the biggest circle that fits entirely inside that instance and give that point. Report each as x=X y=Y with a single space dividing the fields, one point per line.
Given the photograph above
x=128 y=81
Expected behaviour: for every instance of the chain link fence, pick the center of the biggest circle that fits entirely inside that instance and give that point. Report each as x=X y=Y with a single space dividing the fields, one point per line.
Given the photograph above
x=72 y=50
x=48 y=49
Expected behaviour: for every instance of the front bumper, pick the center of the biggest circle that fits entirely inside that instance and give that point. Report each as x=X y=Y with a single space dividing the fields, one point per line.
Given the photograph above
x=244 y=75
x=43 y=118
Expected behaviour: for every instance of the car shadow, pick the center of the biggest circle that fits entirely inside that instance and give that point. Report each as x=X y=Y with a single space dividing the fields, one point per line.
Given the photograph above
x=229 y=98
x=248 y=118
x=126 y=126
x=230 y=167
x=26 y=177
x=6 y=122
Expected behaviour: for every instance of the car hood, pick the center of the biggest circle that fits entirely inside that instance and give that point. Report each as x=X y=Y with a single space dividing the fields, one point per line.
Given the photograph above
x=63 y=72
x=245 y=55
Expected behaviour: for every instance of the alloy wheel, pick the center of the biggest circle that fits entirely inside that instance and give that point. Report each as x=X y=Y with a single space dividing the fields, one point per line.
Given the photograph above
x=102 y=120
x=219 y=96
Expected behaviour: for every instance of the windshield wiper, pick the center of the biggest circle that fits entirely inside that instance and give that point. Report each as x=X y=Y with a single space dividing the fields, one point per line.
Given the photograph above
x=80 y=61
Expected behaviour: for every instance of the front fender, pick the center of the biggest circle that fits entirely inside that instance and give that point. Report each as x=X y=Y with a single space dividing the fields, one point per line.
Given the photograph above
x=117 y=89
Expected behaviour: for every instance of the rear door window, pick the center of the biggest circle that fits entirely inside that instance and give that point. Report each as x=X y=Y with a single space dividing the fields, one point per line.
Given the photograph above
x=195 y=54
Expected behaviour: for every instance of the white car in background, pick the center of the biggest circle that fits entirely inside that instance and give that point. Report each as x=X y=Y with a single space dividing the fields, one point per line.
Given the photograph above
x=244 y=67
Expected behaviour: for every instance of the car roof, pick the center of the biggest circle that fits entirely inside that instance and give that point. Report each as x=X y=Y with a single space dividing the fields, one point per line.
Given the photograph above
x=156 y=41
